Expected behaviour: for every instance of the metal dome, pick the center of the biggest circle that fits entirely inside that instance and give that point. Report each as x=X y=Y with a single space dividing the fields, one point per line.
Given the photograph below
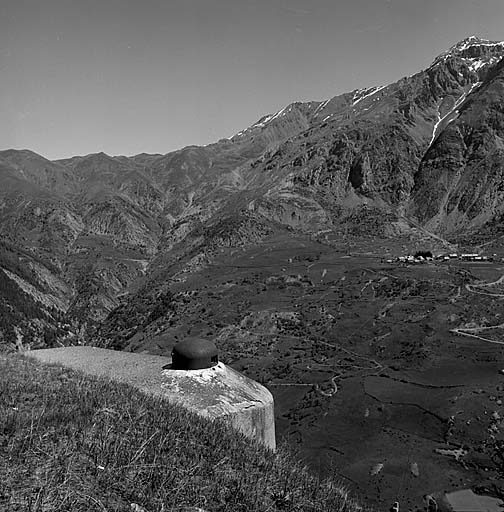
x=194 y=354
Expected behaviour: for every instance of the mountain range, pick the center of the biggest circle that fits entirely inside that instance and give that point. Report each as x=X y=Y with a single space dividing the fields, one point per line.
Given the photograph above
x=94 y=246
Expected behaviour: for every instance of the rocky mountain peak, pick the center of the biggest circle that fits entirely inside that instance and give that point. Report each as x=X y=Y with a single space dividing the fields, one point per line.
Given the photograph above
x=478 y=53
x=472 y=40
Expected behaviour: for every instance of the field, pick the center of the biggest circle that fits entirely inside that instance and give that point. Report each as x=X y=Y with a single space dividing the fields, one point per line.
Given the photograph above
x=370 y=381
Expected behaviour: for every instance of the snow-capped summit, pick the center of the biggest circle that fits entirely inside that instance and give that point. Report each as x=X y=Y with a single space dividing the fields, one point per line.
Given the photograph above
x=473 y=41
x=475 y=51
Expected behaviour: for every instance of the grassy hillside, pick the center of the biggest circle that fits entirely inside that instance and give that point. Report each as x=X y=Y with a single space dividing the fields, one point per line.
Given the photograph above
x=70 y=442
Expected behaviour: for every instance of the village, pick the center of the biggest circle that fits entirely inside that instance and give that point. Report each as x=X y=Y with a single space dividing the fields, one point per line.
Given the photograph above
x=427 y=256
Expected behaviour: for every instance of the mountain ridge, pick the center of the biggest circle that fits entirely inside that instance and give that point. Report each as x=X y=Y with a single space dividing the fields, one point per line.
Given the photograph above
x=107 y=222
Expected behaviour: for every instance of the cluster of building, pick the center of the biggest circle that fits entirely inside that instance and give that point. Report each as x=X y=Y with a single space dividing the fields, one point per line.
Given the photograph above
x=412 y=259
x=423 y=256
x=465 y=257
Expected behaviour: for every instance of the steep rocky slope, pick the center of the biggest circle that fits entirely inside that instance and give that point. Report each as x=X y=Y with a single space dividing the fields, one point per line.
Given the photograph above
x=459 y=184
x=88 y=227
x=420 y=156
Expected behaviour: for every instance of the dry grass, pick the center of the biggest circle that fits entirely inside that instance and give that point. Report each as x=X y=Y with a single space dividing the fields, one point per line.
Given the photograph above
x=72 y=443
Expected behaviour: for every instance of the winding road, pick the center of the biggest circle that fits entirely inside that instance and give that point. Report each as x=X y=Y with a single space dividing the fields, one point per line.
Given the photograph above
x=473 y=332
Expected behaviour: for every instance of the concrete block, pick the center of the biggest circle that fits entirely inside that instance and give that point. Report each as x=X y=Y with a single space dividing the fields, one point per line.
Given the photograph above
x=216 y=392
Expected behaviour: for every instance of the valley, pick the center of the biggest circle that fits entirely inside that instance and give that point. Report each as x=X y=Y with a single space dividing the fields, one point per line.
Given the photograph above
x=360 y=356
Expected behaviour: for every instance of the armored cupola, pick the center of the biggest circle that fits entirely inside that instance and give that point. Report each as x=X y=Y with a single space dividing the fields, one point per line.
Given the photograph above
x=194 y=354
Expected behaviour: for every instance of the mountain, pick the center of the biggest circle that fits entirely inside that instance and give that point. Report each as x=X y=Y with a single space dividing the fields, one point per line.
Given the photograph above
x=420 y=157
x=461 y=174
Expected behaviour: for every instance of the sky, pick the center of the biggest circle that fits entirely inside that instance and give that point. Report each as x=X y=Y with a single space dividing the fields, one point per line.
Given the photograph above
x=126 y=77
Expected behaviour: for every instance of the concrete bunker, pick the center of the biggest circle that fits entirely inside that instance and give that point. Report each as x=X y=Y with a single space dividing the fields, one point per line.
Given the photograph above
x=193 y=378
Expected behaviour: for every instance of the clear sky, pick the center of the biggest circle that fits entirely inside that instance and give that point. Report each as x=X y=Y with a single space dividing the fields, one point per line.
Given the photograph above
x=124 y=76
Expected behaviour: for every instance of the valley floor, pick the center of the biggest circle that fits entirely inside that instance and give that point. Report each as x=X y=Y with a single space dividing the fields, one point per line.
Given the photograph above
x=371 y=380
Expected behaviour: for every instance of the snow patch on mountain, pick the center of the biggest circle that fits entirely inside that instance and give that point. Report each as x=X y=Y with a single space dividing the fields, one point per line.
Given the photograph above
x=451 y=115
x=321 y=106
x=264 y=121
x=475 y=64
x=362 y=94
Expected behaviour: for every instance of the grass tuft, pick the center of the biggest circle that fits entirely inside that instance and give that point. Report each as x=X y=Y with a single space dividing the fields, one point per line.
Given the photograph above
x=69 y=442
